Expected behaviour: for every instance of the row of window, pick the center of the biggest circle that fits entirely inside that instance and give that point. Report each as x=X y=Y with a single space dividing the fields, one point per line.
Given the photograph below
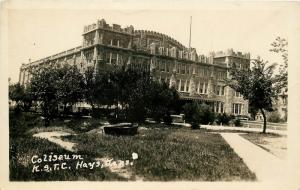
x=219 y=107
x=221 y=75
x=89 y=39
x=115 y=42
x=237 y=108
x=219 y=90
x=200 y=87
x=184 y=86
x=173 y=52
x=237 y=94
x=185 y=69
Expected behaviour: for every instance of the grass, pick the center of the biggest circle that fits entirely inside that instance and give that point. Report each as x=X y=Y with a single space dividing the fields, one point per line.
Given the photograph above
x=22 y=147
x=166 y=153
x=22 y=150
x=260 y=138
x=170 y=154
x=273 y=143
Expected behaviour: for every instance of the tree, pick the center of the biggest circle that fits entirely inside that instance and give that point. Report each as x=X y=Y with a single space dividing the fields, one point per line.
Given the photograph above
x=160 y=99
x=257 y=84
x=21 y=96
x=280 y=46
x=44 y=87
x=90 y=87
x=16 y=93
x=135 y=95
x=70 y=85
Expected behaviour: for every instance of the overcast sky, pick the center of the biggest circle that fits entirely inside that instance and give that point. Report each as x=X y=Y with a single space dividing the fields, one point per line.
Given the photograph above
x=34 y=34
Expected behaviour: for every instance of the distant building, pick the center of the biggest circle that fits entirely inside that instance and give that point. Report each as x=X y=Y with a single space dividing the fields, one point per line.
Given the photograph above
x=196 y=77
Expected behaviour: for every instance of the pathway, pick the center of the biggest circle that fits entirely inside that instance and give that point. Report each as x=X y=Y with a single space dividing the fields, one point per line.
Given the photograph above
x=246 y=129
x=265 y=165
x=121 y=170
x=54 y=137
x=217 y=127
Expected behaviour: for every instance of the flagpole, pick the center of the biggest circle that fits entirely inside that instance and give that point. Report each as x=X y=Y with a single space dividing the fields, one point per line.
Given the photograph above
x=190 y=32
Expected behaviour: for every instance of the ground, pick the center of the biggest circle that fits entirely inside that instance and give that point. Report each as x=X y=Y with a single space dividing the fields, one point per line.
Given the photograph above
x=164 y=153
x=273 y=143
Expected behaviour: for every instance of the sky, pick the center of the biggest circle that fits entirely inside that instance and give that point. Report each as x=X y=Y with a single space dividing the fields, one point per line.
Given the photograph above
x=38 y=33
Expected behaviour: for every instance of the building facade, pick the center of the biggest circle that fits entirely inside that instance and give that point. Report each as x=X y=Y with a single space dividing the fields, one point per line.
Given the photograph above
x=196 y=77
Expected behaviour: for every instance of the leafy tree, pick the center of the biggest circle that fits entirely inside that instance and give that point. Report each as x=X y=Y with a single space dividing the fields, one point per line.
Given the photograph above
x=21 y=96
x=90 y=86
x=257 y=84
x=135 y=94
x=137 y=97
x=161 y=99
x=97 y=90
x=70 y=85
x=253 y=111
x=44 y=88
x=280 y=46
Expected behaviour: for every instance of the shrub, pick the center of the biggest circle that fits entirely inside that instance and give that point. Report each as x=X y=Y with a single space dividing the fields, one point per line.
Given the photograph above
x=192 y=112
x=195 y=126
x=167 y=119
x=198 y=113
x=238 y=123
x=83 y=125
x=284 y=118
x=223 y=119
x=21 y=122
x=135 y=114
x=100 y=112
x=274 y=117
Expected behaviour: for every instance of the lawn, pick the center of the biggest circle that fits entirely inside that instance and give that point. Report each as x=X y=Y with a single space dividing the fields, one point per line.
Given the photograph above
x=273 y=143
x=164 y=154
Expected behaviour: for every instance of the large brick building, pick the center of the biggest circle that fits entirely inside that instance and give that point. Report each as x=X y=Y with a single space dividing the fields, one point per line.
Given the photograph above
x=196 y=77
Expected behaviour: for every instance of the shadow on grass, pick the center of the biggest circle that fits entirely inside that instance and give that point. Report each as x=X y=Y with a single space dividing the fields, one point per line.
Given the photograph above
x=168 y=155
x=165 y=153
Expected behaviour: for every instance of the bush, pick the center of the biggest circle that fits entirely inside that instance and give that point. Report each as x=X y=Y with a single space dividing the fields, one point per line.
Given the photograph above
x=83 y=125
x=238 y=123
x=21 y=122
x=198 y=113
x=167 y=119
x=223 y=119
x=274 y=117
x=135 y=114
x=284 y=118
x=195 y=126
x=100 y=112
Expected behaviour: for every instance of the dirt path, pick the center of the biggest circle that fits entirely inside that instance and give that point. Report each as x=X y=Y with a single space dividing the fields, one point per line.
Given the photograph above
x=54 y=137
